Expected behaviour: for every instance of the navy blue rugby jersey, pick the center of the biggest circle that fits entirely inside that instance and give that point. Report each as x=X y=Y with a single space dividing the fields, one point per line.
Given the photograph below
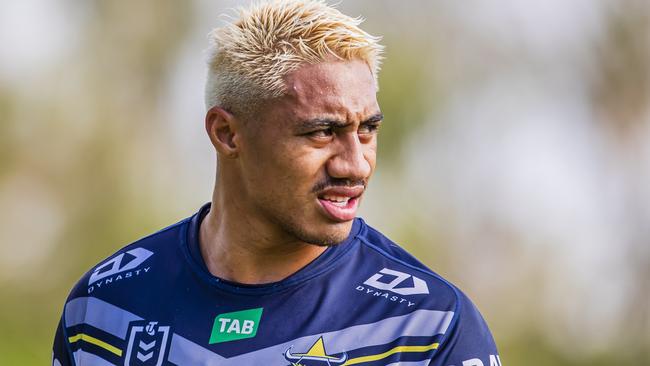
x=363 y=302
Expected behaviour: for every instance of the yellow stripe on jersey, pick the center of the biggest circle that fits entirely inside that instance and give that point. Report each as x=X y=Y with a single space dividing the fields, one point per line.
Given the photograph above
x=398 y=349
x=96 y=342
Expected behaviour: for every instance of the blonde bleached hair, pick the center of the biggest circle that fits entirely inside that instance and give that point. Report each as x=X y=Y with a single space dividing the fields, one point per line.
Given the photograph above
x=249 y=57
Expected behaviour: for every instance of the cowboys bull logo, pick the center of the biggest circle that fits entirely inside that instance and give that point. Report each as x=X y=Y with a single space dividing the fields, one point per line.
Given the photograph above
x=147 y=344
x=316 y=356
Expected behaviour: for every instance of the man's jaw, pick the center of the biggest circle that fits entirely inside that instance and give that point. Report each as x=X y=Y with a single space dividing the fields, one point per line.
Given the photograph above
x=340 y=203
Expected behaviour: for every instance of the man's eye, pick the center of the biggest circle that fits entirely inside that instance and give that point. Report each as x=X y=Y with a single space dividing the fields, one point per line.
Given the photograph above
x=321 y=133
x=368 y=128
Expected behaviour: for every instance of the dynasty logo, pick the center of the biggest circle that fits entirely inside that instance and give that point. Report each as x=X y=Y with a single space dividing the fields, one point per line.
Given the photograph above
x=315 y=356
x=389 y=284
x=123 y=266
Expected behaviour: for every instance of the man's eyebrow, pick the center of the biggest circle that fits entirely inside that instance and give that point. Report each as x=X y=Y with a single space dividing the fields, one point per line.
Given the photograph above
x=335 y=123
x=321 y=122
x=374 y=118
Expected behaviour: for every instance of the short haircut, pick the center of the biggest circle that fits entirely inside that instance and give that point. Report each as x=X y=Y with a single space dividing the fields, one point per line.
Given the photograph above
x=249 y=57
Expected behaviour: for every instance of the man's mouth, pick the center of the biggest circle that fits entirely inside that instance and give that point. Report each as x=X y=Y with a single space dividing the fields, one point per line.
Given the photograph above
x=341 y=203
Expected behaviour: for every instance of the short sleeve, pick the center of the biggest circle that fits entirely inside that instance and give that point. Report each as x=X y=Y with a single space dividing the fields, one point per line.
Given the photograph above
x=61 y=355
x=469 y=341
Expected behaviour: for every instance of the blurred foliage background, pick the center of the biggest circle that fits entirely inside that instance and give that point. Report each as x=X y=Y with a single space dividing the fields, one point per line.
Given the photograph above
x=515 y=157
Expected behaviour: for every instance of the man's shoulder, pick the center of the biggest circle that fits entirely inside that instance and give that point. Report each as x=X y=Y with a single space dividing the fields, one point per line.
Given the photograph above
x=402 y=273
x=131 y=283
x=133 y=264
x=398 y=271
x=465 y=334
x=389 y=252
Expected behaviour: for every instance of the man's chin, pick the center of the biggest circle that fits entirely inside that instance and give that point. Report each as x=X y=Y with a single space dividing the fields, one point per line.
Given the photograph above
x=331 y=235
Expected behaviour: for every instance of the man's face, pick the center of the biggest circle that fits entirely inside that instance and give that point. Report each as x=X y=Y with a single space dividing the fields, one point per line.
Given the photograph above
x=306 y=160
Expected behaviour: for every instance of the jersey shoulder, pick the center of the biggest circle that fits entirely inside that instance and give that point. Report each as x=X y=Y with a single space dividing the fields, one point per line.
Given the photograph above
x=398 y=262
x=466 y=338
x=134 y=265
x=108 y=297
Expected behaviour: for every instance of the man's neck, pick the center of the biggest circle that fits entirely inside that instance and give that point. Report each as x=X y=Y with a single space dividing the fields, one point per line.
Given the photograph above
x=238 y=250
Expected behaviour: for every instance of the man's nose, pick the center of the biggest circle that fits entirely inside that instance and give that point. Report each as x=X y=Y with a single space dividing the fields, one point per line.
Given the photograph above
x=350 y=160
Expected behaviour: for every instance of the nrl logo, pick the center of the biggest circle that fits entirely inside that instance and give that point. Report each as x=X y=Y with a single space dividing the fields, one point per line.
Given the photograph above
x=147 y=345
x=315 y=356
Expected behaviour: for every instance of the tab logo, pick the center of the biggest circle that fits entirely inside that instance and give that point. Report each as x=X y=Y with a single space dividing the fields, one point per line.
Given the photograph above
x=236 y=325
x=419 y=286
x=137 y=256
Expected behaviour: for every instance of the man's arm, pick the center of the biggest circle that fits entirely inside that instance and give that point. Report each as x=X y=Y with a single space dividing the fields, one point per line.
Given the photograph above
x=468 y=341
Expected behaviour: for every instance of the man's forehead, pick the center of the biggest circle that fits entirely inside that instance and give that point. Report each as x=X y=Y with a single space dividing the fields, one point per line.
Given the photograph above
x=332 y=88
x=330 y=76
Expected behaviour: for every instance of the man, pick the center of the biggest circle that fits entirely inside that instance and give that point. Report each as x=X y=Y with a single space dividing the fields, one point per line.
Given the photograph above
x=277 y=270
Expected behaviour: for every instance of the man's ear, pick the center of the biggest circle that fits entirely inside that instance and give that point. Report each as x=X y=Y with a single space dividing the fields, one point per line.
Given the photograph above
x=222 y=128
